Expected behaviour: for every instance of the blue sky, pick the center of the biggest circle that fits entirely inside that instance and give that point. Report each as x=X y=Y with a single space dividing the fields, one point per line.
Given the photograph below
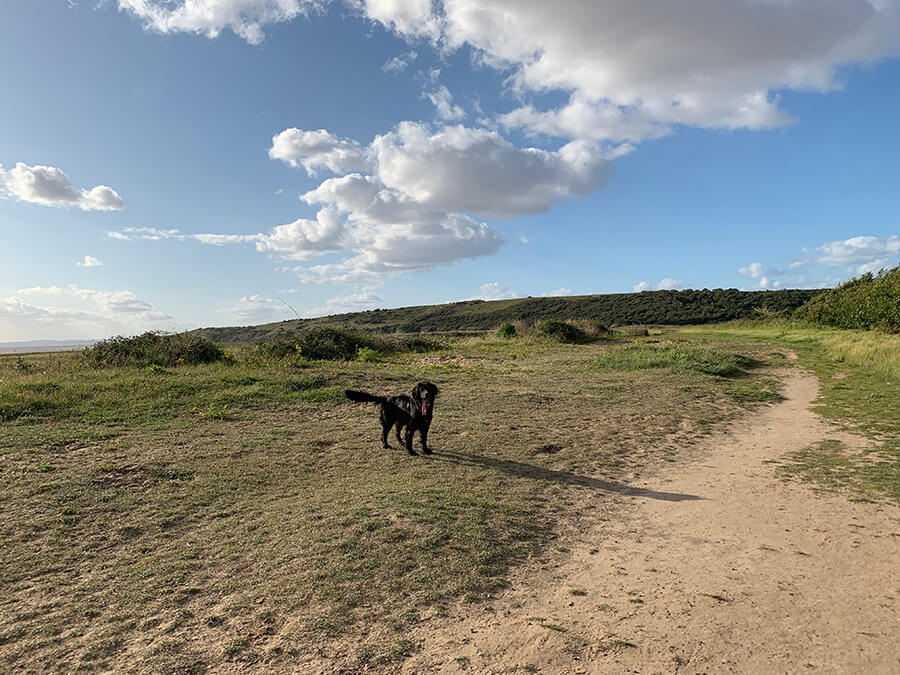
x=169 y=165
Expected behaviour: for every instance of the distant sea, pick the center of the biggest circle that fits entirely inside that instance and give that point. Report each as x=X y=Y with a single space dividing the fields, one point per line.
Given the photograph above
x=32 y=346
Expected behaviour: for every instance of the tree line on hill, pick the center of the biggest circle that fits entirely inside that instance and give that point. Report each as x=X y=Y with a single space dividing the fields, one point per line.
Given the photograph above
x=648 y=307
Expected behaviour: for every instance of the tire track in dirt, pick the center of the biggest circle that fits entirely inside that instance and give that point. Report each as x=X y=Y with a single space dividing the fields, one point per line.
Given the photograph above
x=758 y=575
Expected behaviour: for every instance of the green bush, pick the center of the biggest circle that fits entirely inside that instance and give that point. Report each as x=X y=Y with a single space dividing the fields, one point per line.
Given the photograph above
x=507 y=331
x=561 y=331
x=420 y=344
x=367 y=355
x=865 y=302
x=152 y=348
x=277 y=349
x=334 y=344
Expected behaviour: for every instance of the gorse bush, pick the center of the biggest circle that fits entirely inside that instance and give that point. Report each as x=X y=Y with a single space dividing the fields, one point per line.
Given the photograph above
x=367 y=355
x=419 y=344
x=507 y=330
x=338 y=344
x=561 y=331
x=334 y=344
x=277 y=349
x=869 y=301
x=152 y=348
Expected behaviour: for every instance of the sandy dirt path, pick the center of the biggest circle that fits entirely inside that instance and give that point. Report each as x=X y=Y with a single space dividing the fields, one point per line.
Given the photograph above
x=741 y=573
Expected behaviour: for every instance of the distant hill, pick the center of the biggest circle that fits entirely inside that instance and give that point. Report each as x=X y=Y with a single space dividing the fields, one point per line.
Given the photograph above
x=648 y=307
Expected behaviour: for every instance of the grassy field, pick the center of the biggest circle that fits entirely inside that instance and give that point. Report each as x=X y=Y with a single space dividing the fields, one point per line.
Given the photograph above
x=178 y=519
x=859 y=373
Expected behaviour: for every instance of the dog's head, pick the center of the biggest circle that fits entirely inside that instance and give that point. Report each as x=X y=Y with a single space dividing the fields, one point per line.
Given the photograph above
x=423 y=394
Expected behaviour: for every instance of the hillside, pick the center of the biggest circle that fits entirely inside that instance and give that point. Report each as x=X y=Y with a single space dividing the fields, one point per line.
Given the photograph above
x=648 y=307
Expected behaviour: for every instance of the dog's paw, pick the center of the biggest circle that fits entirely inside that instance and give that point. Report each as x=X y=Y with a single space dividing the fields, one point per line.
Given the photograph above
x=427 y=451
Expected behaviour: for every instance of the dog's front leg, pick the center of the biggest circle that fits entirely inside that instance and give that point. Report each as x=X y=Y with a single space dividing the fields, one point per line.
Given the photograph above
x=409 y=439
x=424 y=432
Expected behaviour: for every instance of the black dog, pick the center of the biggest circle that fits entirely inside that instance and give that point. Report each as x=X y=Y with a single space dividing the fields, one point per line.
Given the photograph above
x=413 y=412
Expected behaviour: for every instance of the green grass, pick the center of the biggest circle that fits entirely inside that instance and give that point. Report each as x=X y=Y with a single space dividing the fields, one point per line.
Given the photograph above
x=677 y=357
x=859 y=372
x=139 y=534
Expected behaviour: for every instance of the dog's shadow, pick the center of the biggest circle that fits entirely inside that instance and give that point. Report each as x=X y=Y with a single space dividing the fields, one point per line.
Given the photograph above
x=521 y=470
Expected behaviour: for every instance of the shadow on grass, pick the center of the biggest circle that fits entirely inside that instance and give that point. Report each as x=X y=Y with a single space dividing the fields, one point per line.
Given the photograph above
x=521 y=470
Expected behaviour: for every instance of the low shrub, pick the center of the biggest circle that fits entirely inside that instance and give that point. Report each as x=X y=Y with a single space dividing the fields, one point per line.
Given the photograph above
x=367 y=355
x=341 y=344
x=152 y=348
x=561 y=331
x=277 y=349
x=419 y=344
x=334 y=344
x=507 y=331
x=640 y=331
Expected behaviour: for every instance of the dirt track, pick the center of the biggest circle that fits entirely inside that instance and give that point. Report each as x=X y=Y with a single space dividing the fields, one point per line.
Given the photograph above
x=719 y=567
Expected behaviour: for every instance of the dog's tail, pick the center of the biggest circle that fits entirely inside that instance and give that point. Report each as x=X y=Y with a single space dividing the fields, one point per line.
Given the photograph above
x=363 y=397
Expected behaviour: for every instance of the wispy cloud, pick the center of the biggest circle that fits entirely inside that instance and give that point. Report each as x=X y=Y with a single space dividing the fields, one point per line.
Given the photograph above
x=76 y=312
x=399 y=63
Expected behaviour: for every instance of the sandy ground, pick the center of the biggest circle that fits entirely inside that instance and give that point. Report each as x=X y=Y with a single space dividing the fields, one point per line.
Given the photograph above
x=719 y=567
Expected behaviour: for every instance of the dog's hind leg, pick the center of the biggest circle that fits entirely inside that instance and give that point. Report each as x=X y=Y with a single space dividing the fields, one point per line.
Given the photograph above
x=385 y=428
x=398 y=428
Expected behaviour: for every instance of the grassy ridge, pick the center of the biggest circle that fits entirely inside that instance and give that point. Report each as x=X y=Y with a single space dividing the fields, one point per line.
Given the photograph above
x=649 y=307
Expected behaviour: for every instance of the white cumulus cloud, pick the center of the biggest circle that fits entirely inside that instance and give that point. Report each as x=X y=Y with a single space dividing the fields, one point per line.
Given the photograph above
x=665 y=284
x=756 y=270
x=461 y=169
x=304 y=239
x=89 y=261
x=318 y=149
x=245 y=18
x=634 y=69
x=50 y=186
x=494 y=291
x=858 y=250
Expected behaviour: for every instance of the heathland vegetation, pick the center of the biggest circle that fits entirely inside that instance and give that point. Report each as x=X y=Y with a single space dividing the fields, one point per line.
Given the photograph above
x=869 y=301
x=649 y=307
